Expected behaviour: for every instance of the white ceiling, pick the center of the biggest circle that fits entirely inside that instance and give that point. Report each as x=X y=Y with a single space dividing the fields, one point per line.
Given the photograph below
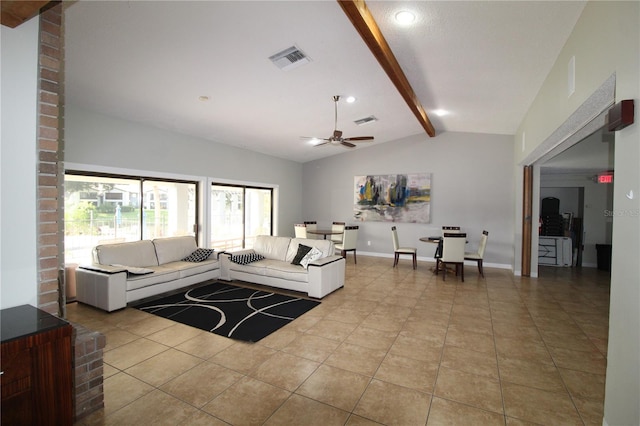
x=149 y=61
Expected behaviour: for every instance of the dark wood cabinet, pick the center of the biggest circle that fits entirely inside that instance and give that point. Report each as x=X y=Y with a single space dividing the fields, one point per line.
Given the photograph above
x=36 y=363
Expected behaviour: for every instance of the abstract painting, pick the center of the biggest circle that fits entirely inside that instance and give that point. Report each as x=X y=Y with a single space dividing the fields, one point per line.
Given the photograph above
x=393 y=198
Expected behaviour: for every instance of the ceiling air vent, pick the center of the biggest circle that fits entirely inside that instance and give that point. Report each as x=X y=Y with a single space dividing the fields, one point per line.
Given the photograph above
x=290 y=58
x=369 y=119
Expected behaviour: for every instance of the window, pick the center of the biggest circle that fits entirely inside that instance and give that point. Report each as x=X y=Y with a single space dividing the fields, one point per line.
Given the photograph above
x=101 y=209
x=239 y=214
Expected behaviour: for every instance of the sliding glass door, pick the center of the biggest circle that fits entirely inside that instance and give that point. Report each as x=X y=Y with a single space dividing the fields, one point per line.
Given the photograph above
x=103 y=209
x=238 y=215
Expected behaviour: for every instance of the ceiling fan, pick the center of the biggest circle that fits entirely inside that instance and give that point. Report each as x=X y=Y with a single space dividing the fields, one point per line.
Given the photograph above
x=336 y=138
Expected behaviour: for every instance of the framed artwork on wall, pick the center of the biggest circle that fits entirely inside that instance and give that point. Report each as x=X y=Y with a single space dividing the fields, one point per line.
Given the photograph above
x=393 y=198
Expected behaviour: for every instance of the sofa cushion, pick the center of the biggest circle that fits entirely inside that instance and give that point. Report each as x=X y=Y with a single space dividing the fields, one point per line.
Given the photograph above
x=201 y=254
x=136 y=253
x=160 y=274
x=286 y=271
x=187 y=269
x=325 y=246
x=272 y=247
x=174 y=248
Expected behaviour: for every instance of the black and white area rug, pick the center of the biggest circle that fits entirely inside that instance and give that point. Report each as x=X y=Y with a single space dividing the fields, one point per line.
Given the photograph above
x=230 y=311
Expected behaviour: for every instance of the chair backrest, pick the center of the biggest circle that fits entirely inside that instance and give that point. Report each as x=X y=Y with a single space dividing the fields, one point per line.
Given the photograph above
x=483 y=243
x=450 y=229
x=394 y=234
x=311 y=225
x=350 y=238
x=301 y=230
x=453 y=247
x=337 y=226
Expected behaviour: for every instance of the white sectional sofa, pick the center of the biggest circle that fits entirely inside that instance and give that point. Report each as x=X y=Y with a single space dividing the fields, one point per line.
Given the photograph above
x=126 y=272
x=319 y=278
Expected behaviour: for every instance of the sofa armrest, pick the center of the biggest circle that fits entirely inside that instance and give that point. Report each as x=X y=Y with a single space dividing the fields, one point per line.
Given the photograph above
x=326 y=275
x=105 y=289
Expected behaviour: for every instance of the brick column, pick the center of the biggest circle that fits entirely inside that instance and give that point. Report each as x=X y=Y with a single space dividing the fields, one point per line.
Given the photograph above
x=50 y=197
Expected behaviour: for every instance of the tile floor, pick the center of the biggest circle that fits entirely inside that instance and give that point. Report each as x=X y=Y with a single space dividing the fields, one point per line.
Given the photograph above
x=394 y=347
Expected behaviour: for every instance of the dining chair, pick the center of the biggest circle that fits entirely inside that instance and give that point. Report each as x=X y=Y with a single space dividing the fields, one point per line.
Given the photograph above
x=349 y=242
x=452 y=252
x=312 y=226
x=337 y=226
x=477 y=256
x=301 y=230
x=397 y=250
x=450 y=229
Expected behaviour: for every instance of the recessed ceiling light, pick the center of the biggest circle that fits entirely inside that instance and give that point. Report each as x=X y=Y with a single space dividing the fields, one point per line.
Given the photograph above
x=351 y=99
x=405 y=17
x=203 y=98
x=440 y=112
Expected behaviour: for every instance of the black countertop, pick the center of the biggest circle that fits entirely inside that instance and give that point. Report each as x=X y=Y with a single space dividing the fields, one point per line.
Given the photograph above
x=25 y=320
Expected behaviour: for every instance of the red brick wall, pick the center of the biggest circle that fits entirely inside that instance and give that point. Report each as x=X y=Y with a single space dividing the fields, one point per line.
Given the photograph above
x=50 y=200
x=88 y=368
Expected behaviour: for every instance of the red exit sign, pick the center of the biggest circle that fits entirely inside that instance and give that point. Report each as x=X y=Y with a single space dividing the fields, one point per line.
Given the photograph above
x=605 y=178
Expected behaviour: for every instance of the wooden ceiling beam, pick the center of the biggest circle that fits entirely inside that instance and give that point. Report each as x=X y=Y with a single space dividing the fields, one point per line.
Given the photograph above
x=15 y=12
x=362 y=19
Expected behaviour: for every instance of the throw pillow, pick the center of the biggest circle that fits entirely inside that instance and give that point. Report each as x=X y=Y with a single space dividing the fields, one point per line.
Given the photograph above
x=199 y=255
x=302 y=252
x=245 y=259
x=314 y=254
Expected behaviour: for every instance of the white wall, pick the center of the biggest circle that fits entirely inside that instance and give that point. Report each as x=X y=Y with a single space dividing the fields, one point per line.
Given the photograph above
x=604 y=41
x=18 y=248
x=472 y=186
x=103 y=141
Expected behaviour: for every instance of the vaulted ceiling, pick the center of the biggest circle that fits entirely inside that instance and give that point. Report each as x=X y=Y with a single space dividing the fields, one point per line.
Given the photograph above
x=202 y=68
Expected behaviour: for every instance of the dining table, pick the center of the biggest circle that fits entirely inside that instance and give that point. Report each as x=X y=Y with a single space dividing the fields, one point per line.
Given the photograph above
x=324 y=232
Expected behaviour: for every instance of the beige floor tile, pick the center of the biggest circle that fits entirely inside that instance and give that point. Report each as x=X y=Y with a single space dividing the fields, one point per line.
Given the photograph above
x=525 y=349
x=539 y=406
x=424 y=329
x=122 y=389
x=243 y=357
x=147 y=325
x=175 y=334
x=444 y=412
x=391 y=404
x=315 y=348
x=418 y=349
x=338 y=388
x=205 y=345
x=590 y=362
x=469 y=361
x=357 y=359
x=163 y=367
x=469 y=340
x=156 y=408
x=590 y=410
x=285 y=371
x=133 y=353
x=201 y=384
x=298 y=410
x=532 y=374
x=116 y=337
x=108 y=371
x=407 y=372
x=514 y=330
x=471 y=389
x=379 y=321
x=330 y=329
x=247 y=402
x=576 y=342
x=584 y=385
x=200 y=418
x=355 y=420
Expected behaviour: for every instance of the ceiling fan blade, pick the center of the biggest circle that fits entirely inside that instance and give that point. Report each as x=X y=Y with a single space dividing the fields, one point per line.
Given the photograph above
x=360 y=138
x=348 y=144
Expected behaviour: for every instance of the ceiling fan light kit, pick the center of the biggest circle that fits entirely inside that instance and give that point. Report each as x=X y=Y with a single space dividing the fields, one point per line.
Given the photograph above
x=336 y=138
